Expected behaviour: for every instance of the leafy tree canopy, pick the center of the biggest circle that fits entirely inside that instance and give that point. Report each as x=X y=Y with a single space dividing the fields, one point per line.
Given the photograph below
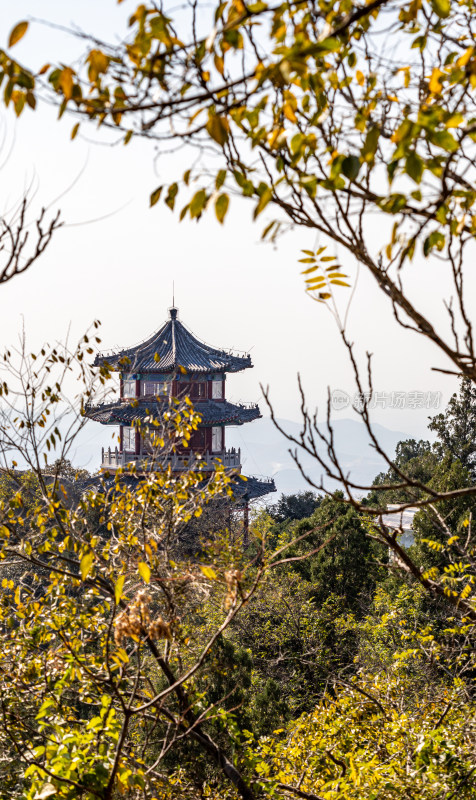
x=312 y=114
x=294 y=506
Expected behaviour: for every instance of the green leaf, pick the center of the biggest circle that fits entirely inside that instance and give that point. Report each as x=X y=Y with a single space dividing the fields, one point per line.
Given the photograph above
x=144 y=571
x=441 y=7
x=414 y=166
x=221 y=207
x=370 y=144
x=330 y=45
x=17 y=33
x=351 y=167
x=435 y=239
x=445 y=140
x=336 y=167
x=394 y=203
x=85 y=564
x=119 y=585
x=309 y=183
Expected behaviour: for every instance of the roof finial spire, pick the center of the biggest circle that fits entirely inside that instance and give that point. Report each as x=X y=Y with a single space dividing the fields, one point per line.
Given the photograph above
x=173 y=310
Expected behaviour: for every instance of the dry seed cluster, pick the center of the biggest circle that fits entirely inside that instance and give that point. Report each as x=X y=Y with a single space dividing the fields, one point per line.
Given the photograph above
x=136 y=621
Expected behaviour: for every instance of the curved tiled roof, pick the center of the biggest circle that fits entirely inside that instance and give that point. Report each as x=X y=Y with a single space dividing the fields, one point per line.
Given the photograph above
x=244 y=488
x=172 y=347
x=213 y=412
x=250 y=488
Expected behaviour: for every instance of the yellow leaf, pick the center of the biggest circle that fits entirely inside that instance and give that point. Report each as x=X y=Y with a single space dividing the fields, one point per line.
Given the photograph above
x=360 y=77
x=66 y=82
x=98 y=63
x=289 y=112
x=208 y=572
x=17 y=33
x=463 y=60
x=217 y=127
x=454 y=121
x=85 y=565
x=435 y=82
x=144 y=571
x=118 y=588
x=219 y=64
x=341 y=283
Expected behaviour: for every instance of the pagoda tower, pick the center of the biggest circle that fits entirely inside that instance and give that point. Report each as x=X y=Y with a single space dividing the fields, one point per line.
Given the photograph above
x=174 y=363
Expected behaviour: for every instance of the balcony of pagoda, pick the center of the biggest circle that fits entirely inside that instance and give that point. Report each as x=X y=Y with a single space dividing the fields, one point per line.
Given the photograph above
x=113 y=458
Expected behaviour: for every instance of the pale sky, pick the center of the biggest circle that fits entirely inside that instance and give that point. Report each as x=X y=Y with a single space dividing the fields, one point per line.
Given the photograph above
x=115 y=258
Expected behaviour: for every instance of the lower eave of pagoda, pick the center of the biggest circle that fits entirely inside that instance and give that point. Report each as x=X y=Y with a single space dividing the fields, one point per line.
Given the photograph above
x=212 y=412
x=244 y=488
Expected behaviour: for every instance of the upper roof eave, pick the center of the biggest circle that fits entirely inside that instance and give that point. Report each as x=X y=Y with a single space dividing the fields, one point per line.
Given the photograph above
x=172 y=348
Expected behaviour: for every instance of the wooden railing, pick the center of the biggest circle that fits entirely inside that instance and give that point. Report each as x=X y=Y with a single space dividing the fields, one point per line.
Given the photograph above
x=112 y=458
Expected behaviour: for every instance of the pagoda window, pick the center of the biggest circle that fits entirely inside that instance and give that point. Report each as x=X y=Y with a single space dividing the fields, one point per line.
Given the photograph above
x=154 y=388
x=128 y=388
x=197 y=439
x=151 y=438
x=198 y=389
x=129 y=439
x=217 y=439
x=217 y=390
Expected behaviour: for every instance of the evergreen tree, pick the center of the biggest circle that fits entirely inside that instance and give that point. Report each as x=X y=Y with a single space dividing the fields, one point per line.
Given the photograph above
x=456 y=427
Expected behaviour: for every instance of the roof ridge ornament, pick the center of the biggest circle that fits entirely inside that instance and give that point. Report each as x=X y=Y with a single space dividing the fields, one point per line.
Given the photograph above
x=174 y=345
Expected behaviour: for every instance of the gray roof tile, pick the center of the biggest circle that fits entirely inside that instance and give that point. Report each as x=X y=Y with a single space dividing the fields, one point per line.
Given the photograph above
x=213 y=412
x=173 y=346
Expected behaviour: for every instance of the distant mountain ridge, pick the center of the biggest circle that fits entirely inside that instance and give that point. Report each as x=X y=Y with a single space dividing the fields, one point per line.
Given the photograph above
x=266 y=452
